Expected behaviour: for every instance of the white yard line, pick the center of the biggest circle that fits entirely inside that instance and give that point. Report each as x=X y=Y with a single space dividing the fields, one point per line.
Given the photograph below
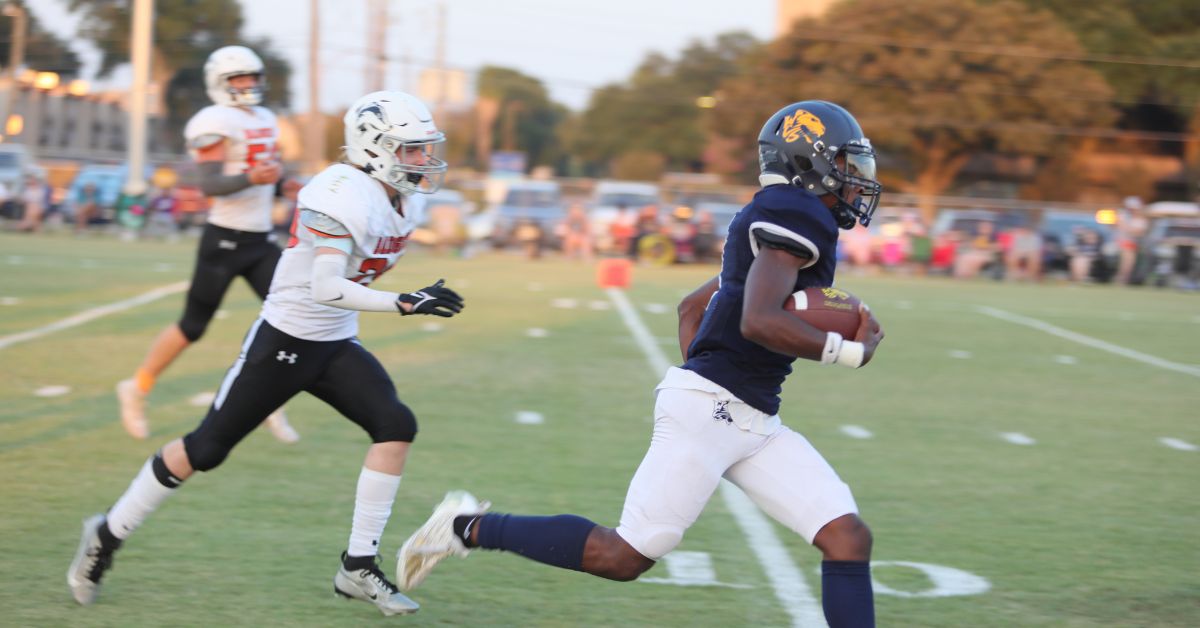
x=789 y=585
x=1095 y=343
x=87 y=316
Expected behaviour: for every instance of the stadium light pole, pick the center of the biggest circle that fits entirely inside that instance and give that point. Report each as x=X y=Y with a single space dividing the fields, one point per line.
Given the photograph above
x=143 y=17
x=16 y=56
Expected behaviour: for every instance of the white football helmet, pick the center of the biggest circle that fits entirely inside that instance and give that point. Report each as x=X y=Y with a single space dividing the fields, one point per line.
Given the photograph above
x=225 y=63
x=392 y=137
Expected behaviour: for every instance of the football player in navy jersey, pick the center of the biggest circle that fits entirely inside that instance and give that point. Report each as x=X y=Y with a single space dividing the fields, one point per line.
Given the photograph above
x=717 y=415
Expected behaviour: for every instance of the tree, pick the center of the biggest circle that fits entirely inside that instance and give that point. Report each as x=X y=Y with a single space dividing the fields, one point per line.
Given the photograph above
x=656 y=110
x=1146 y=50
x=933 y=83
x=514 y=112
x=44 y=52
x=185 y=32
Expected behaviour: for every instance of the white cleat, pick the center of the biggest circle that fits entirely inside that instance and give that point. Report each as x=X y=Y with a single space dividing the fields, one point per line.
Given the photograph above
x=133 y=409
x=90 y=562
x=435 y=540
x=370 y=585
x=280 y=428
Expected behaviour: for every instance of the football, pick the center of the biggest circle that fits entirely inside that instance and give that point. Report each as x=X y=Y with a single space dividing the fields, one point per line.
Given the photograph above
x=827 y=309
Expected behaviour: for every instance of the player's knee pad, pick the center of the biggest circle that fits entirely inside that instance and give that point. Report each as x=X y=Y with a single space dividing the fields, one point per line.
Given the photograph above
x=204 y=454
x=193 y=326
x=399 y=425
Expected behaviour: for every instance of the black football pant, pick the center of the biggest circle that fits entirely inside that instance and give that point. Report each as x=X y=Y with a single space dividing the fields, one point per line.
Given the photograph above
x=273 y=367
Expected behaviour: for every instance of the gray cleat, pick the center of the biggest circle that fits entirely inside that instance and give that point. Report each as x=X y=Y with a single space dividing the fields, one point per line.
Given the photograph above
x=367 y=583
x=91 y=561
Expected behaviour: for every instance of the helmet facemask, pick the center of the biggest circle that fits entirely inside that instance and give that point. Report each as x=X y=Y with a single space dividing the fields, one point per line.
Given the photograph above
x=858 y=174
x=245 y=96
x=415 y=167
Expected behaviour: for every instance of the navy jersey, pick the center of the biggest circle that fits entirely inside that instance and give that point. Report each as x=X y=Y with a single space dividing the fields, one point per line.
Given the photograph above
x=719 y=352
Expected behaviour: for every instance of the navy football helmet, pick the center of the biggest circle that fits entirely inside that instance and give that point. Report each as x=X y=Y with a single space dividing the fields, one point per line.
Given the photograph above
x=820 y=147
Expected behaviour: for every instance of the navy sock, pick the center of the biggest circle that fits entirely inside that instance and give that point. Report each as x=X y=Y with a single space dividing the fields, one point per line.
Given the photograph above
x=556 y=540
x=846 y=594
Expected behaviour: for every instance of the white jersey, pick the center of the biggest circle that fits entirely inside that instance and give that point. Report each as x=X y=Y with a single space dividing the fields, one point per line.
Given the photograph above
x=251 y=134
x=379 y=233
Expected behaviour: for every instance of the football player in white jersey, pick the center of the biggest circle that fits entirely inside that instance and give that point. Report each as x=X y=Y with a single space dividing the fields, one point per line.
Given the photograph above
x=233 y=142
x=353 y=224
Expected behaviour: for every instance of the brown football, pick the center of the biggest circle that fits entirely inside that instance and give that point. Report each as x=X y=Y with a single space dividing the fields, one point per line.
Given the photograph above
x=827 y=309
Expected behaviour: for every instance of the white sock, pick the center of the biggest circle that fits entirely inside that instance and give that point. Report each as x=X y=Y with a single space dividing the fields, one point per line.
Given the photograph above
x=144 y=495
x=372 y=507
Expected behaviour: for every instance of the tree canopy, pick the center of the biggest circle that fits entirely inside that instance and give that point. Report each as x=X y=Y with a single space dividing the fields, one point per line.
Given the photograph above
x=44 y=51
x=515 y=113
x=185 y=33
x=655 y=112
x=933 y=83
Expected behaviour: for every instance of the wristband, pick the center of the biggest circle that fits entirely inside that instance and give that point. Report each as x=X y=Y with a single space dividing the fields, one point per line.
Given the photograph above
x=851 y=354
x=833 y=347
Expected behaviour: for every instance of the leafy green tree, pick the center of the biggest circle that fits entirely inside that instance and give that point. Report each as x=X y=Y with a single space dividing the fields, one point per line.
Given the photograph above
x=185 y=32
x=1148 y=52
x=656 y=110
x=44 y=51
x=933 y=82
x=515 y=112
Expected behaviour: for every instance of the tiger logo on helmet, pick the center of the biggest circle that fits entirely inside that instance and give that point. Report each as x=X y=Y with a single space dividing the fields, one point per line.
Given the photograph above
x=802 y=124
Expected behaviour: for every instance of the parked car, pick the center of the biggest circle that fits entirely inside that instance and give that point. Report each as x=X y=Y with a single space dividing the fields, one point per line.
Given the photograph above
x=607 y=199
x=1172 y=246
x=1060 y=231
x=530 y=210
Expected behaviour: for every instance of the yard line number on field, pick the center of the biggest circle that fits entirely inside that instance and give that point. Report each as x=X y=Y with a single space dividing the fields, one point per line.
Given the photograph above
x=87 y=316
x=789 y=585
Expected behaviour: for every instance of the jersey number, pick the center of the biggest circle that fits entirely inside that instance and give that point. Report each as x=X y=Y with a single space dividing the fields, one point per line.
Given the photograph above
x=256 y=153
x=371 y=269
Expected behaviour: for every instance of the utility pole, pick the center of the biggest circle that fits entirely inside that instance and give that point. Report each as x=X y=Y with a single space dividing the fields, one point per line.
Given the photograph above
x=439 y=60
x=16 y=57
x=377 y=16
x=143 y=19
x=314 y=141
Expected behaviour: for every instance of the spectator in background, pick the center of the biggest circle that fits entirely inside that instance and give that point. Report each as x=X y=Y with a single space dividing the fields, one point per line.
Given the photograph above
x=645 y=225
x=1084 y=252
x=1023 y=259
x=1131 y=226
x=980 y=251
x=622 y=229
x=161 y=214
x=706 y=243
x=87 y=207
x=577 y=234
x=34 y=200
x=682 y=232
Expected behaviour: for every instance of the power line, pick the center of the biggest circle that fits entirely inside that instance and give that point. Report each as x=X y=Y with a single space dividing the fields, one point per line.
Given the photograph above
x=1008 y=51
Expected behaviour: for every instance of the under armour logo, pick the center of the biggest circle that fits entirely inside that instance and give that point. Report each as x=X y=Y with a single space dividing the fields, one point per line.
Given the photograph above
x=721 y=412
x=285 y=356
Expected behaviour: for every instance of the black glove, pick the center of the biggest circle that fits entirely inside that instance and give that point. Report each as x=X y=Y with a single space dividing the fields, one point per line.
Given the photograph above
x=436 y=299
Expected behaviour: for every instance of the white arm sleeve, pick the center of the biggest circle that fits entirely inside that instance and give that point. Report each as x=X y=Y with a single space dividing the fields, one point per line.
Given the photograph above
x=330 y=287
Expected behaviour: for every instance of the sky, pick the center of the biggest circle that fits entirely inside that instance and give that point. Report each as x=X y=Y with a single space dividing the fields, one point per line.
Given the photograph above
x=572 y=47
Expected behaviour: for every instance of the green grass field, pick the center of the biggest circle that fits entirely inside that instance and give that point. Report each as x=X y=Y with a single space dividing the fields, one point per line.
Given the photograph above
x=1097 y=523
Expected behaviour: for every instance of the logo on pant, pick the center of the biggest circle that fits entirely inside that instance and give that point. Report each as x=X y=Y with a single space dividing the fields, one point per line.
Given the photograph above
x=283 y=356
x=721 y=412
